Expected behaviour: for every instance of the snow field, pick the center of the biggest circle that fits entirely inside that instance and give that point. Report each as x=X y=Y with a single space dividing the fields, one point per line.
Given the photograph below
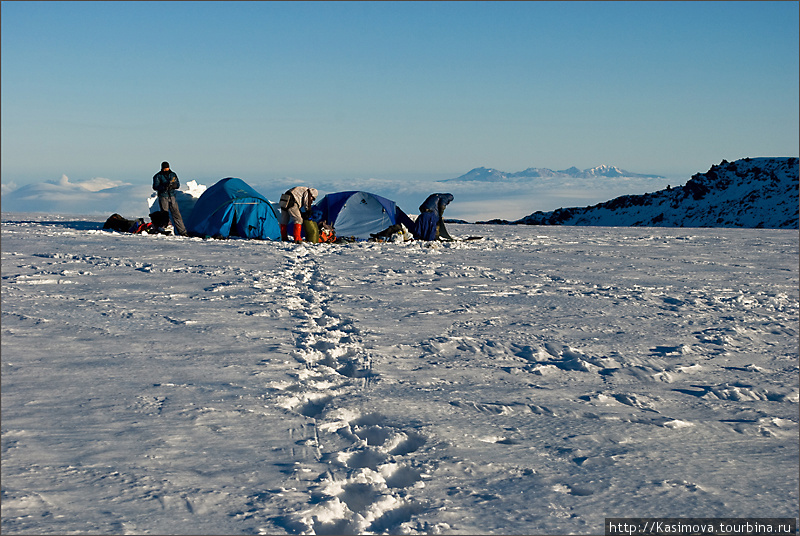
x=536 y=381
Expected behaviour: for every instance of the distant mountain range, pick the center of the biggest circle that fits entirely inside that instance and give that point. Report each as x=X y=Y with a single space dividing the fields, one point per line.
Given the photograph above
x=752 y=192
x=483 y=174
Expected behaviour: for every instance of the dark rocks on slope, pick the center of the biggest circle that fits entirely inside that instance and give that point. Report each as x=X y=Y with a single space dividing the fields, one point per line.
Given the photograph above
x=751 y=192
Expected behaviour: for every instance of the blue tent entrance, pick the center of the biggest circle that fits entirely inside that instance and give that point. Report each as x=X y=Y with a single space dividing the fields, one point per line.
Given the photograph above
x=360 y=214
x=231 y=207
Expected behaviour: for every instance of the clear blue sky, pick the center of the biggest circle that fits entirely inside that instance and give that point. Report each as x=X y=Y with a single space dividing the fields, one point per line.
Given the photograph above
x=255 y=89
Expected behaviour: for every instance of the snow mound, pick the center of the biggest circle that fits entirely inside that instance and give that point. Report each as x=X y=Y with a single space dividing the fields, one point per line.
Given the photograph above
x=186 y=197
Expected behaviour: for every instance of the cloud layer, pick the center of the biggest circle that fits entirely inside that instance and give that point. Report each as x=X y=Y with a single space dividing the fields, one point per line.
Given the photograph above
x=93 y=196
x=473 y=200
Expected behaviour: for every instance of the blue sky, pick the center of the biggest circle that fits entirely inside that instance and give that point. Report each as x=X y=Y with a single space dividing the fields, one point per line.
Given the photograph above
x=363 y=89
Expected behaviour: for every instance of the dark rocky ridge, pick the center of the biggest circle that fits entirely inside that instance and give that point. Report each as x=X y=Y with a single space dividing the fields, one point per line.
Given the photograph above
x=751 y=192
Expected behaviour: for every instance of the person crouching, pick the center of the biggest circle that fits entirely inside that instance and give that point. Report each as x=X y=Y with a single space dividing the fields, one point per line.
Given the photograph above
x=294 y=203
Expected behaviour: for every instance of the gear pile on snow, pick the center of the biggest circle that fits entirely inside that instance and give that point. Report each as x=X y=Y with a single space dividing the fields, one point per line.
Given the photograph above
x=159 y=224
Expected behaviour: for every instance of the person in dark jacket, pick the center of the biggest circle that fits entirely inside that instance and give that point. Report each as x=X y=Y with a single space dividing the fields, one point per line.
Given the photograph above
x=165 y=182
x=430 y=223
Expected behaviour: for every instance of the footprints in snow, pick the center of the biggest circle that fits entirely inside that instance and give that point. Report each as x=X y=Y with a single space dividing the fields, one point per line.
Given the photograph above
x=620 y=390
x=365 y=487
x=366 y=480
x=737 y=392
x=552 y=359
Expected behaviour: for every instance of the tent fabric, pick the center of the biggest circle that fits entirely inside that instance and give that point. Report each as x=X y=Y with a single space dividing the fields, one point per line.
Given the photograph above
x=360 y=214
x=231 y=207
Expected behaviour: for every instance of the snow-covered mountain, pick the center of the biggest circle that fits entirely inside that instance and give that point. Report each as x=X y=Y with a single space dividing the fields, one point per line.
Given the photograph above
x=483 y=174
x=752 y=192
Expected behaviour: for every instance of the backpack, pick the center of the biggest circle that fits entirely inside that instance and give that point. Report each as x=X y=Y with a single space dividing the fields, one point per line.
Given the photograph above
x=160 y=218
x=326 y=233
x=140 y=226
x=311 y=229
x=115 y=222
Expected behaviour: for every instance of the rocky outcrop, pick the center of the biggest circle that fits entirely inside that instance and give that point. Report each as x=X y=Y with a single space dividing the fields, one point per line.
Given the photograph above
x=752 y=192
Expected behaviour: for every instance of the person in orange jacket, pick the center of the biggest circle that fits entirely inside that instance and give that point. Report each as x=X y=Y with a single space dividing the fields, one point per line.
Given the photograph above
x=294 y=203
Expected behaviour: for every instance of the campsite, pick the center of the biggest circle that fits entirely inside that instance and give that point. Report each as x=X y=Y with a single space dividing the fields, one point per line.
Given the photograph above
x=533 y=382
x=387 y=268
x=231 y=208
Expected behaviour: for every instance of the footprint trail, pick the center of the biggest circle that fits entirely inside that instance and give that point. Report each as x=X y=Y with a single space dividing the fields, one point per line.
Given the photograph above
x=358 y=478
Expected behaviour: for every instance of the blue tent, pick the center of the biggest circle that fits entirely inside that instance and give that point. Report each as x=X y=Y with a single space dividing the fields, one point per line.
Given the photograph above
x=360 y=214
x=231 y=207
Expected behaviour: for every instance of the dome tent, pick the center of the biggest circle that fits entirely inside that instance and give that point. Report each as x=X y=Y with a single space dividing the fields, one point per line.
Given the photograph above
x=360 y=214
x=231 y=207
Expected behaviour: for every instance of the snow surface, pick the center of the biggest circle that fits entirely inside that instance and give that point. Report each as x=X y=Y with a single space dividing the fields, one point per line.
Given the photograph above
x=536 y=381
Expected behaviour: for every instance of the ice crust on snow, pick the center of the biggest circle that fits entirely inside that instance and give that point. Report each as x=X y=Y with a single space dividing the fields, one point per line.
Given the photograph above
x=535 y=382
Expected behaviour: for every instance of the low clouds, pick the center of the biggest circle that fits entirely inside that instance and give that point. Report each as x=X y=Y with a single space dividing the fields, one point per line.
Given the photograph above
x=92 y=185
x=99 y=196
x=473 y=200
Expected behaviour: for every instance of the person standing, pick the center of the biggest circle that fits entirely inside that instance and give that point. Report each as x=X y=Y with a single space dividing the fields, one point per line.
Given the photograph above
x=165 y=182
x=295 y=202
